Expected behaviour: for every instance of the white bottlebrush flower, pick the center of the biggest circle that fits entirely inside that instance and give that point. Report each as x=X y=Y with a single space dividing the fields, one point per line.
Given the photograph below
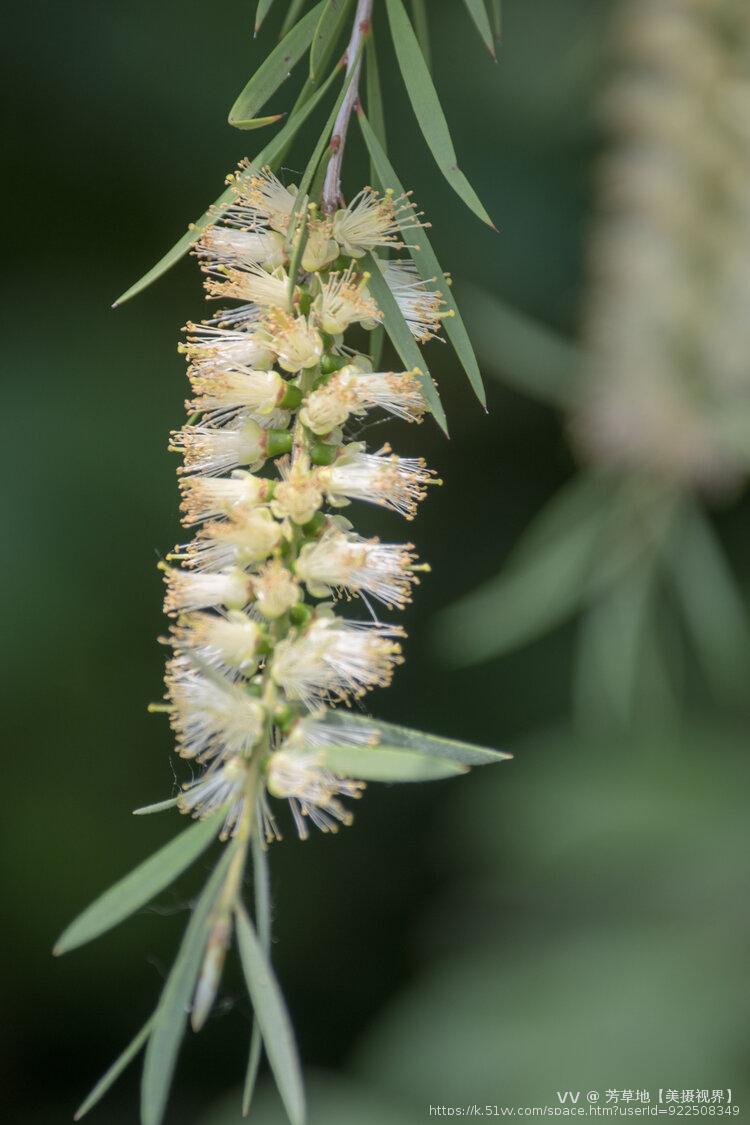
x=187 y=591
x=342 y=561
x=352 y=391
x=275 y=590
x=213 y=718
x=244 y=539
x=211 y=348
x=372 y=220
x=295 y=342
x=336 y=659
x=212 y=451
x=233 y=389
x=381 y=478
x=320 y=248
x=312 y=791
x=205 y=498
x=343 y=300
x=422 y=308
x=225 y=245
x=298 y=495
x=222 y=786
x=250 y=283
x=261 y=200
x=228 y=642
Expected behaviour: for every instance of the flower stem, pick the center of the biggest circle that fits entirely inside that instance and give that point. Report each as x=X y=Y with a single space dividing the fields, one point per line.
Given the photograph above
x=360 y=30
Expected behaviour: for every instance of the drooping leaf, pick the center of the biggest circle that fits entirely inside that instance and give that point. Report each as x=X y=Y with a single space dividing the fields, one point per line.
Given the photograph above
x=328 y=28
x=427 y=108
x=712 y=605
x=425 y=260
x=519 y=351
x=174 y=1003
x=272 y=1017
x=271 y=155
x=496 y=6
x=422 y=29
x=262 y=888
x=537 y=590
x=262 y=10
x=610 y=647
x=160 y=806
x=292 y=14
x=140 y=886
x=118 y=1066
x=274 y=70
x=400 y=334
x=392 y=735
x=374 y=99
x=386 y=763
x=478 y=13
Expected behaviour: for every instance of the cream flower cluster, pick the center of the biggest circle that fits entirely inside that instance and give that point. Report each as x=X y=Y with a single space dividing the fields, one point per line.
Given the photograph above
x=259 y=653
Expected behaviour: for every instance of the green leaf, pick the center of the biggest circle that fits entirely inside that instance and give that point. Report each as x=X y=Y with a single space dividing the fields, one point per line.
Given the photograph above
x=427 y=108
x=160 y=806
x=478 y=13
x=272 y=154
x=110 y=1077
x=264 y=7
x=496 y=8
x=401 y=336
x=425 y=260
x=293 y=11
x=272 y=1017
x=537 y=590
x=712 y=604
x=386 y=763
x=374 y=98
x=394 y=737
x=263 y=925
x=140 y=886
x=174 y=1003
x=520 y=351
x=422 y=29
x=274 y=70
x=327 y=32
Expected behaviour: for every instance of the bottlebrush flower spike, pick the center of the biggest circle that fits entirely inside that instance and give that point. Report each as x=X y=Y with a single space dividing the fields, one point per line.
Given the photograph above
x=260 y=658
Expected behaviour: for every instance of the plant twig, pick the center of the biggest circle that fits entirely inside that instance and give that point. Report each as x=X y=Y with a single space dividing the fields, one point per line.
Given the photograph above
x=332 y=182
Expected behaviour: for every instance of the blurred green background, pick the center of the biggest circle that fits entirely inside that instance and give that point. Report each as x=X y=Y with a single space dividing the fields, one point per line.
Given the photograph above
x=577 y=918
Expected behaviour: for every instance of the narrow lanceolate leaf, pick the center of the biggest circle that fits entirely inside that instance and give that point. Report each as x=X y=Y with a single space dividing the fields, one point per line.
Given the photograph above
x=271 y=155
x=140 y=886
x=328 y=28
x=478 y=13
x=401 y=337
x=386 y=763
x=427 y=108
x=272 y=1017
x=160 y=806
x=422 y=29
x=292 y=15
x=374 y=97
x=262 y=889
x=174 y=1003
x=425 y=260
x=538 y=589
x=264 y=7
x=496 y=7
x=274 y=70
x=116 y=1069
x=711 y=601
x=404 y=738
